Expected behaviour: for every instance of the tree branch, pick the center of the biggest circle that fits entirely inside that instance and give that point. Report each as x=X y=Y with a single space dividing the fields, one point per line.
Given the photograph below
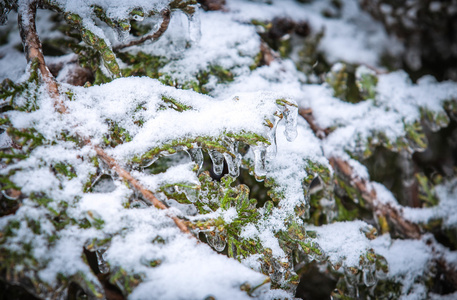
x=155 y=36
x=368 y=193
x=146 y=193
x=307 y=114
x=406 y=228
x=33 y=51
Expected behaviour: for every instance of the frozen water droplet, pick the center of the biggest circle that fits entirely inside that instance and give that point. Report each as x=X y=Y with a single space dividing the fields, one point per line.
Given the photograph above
x=215 y=240
x=233 y=164
x=195 y=26
x=290 y=115
x=102 y=264
x=369 y=278
x=260 y=162
x=273 y=148
x=218 y=161
x=196 y=155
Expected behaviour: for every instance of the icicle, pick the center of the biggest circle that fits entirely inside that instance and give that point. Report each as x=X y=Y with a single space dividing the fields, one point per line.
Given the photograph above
x=352 y=281
x=196 y=155
x=102 y=264
x=194 y=26
x=233 y=164
x=218 y=161
x=216 y=241
x=290 y=115
x=369 y=278
x=259 y=162
x=273 y=148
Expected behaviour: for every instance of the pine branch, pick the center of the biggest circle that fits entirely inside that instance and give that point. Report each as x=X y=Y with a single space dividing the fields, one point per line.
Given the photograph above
x=155 y=36
x=33 y=51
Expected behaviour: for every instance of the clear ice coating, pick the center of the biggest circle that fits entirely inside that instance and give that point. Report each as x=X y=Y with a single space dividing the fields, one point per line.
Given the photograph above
x=196 y=155
x=148 y=162
x=273 y=148
x=233 y=158
x=216 y=241
x=233 y=164
x=260 y=169
x=102 y=264
x=190 y=192
x=351 y=276
x=218 y=161
x=369 y=277
x=195 y=33
x=290 y=115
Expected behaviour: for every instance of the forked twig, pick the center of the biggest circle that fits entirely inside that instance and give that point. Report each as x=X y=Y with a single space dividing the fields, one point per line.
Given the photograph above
x=163 y=27
x=33 y=50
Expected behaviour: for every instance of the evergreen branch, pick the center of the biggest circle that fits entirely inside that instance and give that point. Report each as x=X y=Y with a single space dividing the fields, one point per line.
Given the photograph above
x=155 y=36
x=33 y=51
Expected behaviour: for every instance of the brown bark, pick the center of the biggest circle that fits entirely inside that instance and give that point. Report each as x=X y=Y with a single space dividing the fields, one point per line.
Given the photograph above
x=405 y=227
x=307 y=114
x=33 y=49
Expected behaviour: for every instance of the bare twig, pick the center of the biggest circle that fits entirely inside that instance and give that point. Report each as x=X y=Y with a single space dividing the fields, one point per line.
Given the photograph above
x=408 y=229
x=367 y=192
x=128 y=177
x=163 y=27
x=33 y=50
x=307 y=114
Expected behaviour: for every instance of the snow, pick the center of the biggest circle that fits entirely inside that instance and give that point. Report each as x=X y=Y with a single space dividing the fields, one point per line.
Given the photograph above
x=135 y=237
x=446 y=210
x=343 y=242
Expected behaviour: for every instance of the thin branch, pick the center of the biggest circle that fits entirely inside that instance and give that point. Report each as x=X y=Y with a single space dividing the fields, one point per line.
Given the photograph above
x=307 y=114
x=146 y=193
x=405 y=227
x=33 y=50
x=155 y=36
x=367 y=192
